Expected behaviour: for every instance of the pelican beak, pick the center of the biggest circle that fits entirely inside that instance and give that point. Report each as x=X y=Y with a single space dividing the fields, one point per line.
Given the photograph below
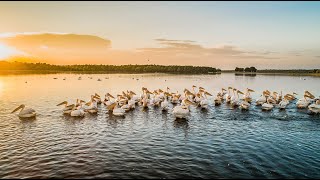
x=208 y=93
x=110 y=95
x=64 y=102
x=17 y=108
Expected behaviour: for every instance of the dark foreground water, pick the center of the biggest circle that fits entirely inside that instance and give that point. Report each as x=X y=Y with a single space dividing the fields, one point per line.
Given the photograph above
x=218 y=143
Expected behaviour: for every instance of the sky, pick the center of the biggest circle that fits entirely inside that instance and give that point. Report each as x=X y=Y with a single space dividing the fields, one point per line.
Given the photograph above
x=219 y=34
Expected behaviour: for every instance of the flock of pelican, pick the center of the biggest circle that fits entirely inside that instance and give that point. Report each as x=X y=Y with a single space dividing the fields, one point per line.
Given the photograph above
x=198 y=97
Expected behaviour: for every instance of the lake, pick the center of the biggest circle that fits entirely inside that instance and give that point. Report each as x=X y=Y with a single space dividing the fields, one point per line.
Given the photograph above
x=221 y=142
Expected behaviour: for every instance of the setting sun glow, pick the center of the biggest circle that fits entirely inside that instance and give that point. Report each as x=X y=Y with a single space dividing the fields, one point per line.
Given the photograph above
x=6 y=51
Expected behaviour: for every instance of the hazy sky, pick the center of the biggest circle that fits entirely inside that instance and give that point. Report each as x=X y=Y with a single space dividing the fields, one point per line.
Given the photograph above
x=269 y=33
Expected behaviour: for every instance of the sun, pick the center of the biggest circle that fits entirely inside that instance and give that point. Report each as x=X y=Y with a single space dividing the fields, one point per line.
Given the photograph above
x=6 y=51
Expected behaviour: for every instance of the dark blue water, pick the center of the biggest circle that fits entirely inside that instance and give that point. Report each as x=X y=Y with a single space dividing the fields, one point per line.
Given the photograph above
x=221 y=142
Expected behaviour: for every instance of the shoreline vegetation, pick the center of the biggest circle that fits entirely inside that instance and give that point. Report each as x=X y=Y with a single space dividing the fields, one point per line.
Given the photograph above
x=44 y=68
x=20 y=67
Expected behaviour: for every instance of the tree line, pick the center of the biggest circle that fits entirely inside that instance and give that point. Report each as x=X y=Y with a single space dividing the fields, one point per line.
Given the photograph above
x=15 y=66
x=253 y=69
x=247 y=69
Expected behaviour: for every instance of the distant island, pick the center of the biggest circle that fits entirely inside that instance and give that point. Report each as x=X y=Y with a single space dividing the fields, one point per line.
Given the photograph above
x=22 y=67
x=253 y=71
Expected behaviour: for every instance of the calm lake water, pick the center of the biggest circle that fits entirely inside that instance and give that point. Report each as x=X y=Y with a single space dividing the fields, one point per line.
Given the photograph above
x=218 y=143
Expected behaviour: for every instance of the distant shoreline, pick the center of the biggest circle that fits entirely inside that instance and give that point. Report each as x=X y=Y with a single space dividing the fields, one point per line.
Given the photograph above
x=21 y=72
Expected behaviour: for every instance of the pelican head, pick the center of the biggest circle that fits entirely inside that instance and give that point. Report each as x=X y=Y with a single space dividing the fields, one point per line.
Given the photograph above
x=201 y=91
x=311 y=95
x=188 y=102
x=223 y=89
x=112 y=106
x=97 y=95
x=294 y=93
x=64 y=102
x=186 y=90
x=88 y=103
x=230 y=87
x=22 y=106
x=193 y=86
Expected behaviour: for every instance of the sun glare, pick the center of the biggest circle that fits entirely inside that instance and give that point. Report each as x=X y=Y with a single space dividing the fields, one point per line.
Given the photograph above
x=6 y=51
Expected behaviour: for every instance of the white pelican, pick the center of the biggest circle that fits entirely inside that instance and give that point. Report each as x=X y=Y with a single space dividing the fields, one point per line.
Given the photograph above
x=204 y=102
x=145 y=100
x=303 y=103
x=248 y=95
x=284 y=102
x=107 y=101
x=267 y=105
x=25 y=113
x=121 y=100
x=126 y=107
x=134 y=97
x=175 y=98
x=244 y=105
x=315 y=107
x=91 y=106
x=272 y=98
x=262 y=99
x=165 y=103
x=198 y=98
x=67 y=108
x=117 y=110
x=77 y=112
x=98 y=98
x=183 y=110
x=132 y=104
x=228 y=95
x=155 y=100
x=235 y=99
